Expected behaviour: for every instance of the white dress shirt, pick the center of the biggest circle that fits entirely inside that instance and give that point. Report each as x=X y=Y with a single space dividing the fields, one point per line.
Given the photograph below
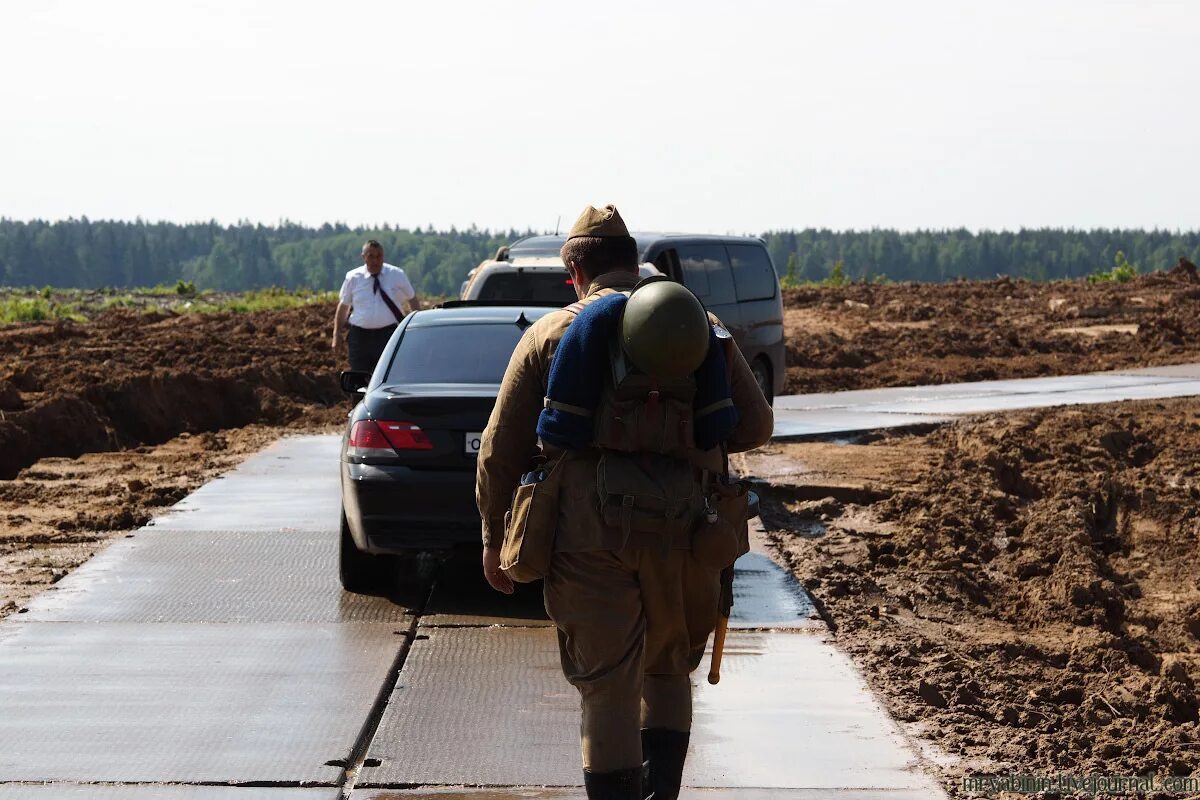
x=367 y=308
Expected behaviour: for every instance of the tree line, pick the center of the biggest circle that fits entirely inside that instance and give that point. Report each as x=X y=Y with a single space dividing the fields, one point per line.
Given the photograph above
x=81 y=253
x=932 y=256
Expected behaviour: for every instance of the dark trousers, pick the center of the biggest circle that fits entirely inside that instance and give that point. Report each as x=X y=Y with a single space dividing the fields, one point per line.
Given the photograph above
x=366 y=346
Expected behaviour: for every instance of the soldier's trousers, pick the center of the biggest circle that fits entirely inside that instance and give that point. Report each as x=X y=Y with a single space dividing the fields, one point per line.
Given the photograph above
x=632 y=626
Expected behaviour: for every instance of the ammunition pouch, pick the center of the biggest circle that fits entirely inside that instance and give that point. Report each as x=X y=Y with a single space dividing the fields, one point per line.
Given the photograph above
x=723 y=535
x=654 y=500
x=529 y=527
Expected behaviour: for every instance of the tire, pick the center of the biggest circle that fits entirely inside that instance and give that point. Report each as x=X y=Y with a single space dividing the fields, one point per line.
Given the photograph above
x=362 y=573
x=762 y=376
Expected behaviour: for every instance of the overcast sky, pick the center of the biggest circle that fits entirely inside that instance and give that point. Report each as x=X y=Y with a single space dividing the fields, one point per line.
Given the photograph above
x=700 y=116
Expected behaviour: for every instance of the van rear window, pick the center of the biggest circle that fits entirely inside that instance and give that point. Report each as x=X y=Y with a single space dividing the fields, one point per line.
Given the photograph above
x=752 y=272
x=542 y=285
x=706 y=272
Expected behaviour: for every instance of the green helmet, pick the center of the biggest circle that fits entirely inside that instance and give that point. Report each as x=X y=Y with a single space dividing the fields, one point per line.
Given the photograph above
x=664 y=330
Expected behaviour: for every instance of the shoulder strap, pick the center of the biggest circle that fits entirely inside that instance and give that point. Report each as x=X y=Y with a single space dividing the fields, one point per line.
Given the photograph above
x=578 y=305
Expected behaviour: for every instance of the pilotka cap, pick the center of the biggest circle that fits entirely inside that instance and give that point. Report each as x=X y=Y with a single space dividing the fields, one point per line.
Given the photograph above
x=600 y=222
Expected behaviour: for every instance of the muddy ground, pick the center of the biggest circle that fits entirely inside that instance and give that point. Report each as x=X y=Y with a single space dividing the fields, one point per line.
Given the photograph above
x=865 y=336
x=129 y=379
x=1020 y=589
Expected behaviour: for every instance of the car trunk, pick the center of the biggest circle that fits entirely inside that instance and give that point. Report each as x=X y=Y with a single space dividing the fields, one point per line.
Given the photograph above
x=451 y=416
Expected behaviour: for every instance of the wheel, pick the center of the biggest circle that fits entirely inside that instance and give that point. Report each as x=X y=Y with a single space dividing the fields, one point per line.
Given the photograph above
x=362 y=573
x=762 y=376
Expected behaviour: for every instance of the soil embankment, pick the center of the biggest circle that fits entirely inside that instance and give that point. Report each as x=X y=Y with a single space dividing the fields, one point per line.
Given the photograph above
x=865 y=336
x=1024 y=591
x=129 y=379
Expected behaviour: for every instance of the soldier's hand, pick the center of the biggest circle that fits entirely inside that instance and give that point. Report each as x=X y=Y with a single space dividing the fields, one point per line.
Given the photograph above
x=491 y=570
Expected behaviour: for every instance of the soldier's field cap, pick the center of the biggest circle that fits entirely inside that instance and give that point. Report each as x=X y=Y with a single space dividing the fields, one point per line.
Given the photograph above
x=600 y=222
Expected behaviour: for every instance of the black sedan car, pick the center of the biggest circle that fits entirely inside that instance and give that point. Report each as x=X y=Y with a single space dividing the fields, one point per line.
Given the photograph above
x=410 y=446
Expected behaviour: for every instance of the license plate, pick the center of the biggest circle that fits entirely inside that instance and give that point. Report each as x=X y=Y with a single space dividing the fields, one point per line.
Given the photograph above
x=472 y=446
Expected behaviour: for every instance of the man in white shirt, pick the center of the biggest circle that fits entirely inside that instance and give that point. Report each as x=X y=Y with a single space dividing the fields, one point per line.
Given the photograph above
x=369 y=305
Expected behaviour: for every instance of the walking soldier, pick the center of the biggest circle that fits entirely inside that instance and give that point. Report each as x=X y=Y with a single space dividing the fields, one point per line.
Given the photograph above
x=627 y=403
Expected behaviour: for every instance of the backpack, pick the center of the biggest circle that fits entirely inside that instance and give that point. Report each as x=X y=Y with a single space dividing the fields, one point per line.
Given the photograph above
x=646 y=481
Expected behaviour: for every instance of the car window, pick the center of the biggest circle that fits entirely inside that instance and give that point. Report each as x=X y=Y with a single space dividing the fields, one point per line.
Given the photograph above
x=706 y=272
x=453 y=354
x=753 y=274
x=540 y=285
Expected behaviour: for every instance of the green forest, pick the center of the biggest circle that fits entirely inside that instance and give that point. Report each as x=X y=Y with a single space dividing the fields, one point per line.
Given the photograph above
x=81 y=253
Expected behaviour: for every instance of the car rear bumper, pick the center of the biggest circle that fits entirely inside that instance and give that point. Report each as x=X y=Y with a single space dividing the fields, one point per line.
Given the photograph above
x=393 y=509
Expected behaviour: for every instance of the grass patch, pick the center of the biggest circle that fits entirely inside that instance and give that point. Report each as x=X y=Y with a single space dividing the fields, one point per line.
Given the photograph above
x=24 y=309
x=37 y=305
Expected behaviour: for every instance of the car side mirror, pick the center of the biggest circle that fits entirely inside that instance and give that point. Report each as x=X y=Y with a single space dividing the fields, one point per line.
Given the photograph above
x=353 y=382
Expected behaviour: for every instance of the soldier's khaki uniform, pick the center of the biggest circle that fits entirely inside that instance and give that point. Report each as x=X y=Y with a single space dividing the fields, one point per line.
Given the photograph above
x=632 y=619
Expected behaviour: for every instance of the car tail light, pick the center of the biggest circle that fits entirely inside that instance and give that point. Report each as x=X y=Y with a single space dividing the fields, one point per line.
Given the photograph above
x=405 y=435
x=376 y=438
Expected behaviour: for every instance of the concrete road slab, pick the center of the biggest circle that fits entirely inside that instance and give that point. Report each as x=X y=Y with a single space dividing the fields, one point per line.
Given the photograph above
x=823 y=423
x=217 y=576
x=766 y=596
x=831 y=414
x=479 y=706
x=489 y=706
x=861 y=398
x=1084 y=395
x=793 y=712
x=533 y=793
x=165 y=703
x=141 y=791
x=295 y=486
x=462 y=598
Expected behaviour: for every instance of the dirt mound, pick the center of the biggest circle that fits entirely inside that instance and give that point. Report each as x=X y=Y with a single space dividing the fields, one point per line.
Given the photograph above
x=871 y=335
x=130 y=378
x=1185 y=270
x=1032 y=601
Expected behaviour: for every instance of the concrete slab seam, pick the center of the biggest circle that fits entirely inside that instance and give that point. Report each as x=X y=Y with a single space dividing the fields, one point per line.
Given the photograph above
x=362 y=743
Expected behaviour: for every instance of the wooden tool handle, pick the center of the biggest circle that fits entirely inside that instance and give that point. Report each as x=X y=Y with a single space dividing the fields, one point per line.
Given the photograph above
x=714 y=667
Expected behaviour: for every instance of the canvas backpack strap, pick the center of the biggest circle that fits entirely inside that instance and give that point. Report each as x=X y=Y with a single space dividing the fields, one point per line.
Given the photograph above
x=579 y=411
x=717 y=406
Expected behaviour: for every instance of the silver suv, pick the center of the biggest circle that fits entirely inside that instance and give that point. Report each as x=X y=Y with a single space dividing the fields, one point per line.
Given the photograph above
x=732 y=275
x=525 y=279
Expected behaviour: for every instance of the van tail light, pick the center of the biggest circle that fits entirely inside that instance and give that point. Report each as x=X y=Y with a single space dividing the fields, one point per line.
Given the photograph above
x=371 y=437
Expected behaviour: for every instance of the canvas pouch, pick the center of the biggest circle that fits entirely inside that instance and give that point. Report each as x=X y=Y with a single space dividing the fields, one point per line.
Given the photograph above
x=647 y=494
x=530 y=524
x=723 y=535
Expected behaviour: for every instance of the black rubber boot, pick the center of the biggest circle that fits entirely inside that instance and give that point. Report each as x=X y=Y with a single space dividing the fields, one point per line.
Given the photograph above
x=665 y=751
x=621 y=784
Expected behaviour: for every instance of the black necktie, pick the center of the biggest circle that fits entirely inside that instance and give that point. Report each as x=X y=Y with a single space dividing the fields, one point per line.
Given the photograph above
x=387 y=300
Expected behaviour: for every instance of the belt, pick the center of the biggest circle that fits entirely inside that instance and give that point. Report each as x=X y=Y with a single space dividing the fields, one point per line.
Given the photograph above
x=384 y=328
